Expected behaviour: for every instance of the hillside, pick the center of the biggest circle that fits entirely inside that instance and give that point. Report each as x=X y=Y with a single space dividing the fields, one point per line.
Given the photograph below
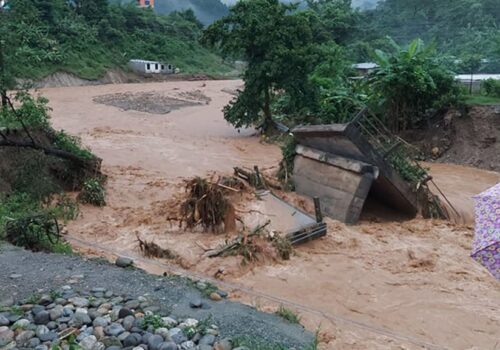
x=88 y=38
x=207 y=11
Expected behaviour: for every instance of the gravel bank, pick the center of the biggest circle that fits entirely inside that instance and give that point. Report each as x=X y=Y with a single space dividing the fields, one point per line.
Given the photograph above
x=24 y=273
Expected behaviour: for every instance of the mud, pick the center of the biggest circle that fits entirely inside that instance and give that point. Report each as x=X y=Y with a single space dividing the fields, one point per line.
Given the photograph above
x=377 y=285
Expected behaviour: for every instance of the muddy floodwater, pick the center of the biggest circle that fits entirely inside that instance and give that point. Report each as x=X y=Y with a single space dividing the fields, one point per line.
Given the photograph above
x=375 y=285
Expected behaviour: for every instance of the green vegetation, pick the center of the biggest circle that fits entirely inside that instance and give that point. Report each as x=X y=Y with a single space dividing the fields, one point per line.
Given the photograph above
x=93 y=193
x=491 y=88
x=482 y=100
x=152 y=320
x=288 y=314
x=88 y=38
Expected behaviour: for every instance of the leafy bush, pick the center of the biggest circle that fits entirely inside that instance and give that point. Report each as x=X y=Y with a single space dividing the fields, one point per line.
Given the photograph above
x=93 y=193
x=71 y=144
x=288 y=314
x=491 y=87
x=32 y=111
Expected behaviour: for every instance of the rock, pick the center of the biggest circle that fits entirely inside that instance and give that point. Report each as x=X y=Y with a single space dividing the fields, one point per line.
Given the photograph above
x=62 y=327
x=4 y=321
x=93 y=314
x=189 y=322
x=177 y=335
x=124 y=262
x=100 y=322
x=68 y=312
x=108 y=294
x=98 y=290
x=145 y=337
x=56 y=312
x=13 y=317
x=99 y=332
x=224 y=344
x=132 y=304
x=23 y=337
x=99 y=346
x=45 y=300
x=187 y=345
x=122 y=336
x=15 y=276
x=42 y=347
x=114 y=347
x=163 y=332
x=60 y=301
x=168 y=346
x=195 y=303
x=52 y=325
x=6 y=336
x=21 y=324
x=88 y=343
x=79 y=301
x=7 y=301
x=154 y=342
x=222 y=293
x=241 y=348
x=169 y=322
x=207 y=339
x=37 y=309
x=124 y=312
x=133 y=339
x=215 y=296
x=205 y=347
x=34 y=342
x=44 y=334
x=111 y=341
x=114 y=329
x=42 y=317
x=80 y=319
x=128 y=322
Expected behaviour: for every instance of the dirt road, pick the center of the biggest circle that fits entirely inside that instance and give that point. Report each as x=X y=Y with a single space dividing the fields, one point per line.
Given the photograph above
x=399 y=283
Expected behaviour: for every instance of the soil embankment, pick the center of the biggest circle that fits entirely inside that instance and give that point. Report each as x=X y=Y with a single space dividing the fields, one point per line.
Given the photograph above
x=397 y=283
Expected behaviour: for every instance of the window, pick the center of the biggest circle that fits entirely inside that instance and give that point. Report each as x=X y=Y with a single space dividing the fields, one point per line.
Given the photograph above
x=170 y=67
x=148 y=66
x=156 y=66
x=162 y=67
x=147 y=2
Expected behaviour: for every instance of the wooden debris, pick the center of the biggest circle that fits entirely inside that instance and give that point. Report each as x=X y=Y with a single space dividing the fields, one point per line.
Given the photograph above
x=237 y=242
x=153 y=250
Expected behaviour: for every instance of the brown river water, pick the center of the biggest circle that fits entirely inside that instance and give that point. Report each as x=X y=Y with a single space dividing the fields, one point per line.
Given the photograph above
x=375 y=285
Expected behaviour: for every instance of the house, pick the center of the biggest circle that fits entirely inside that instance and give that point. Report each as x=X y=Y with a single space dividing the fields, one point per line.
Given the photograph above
x=146 y=3
x=365 y=68
x=151 y=67
x=475 y=80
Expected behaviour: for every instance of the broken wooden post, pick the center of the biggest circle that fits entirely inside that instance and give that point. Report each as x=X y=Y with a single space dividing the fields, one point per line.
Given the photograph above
x=259 y=183
x=317 y=210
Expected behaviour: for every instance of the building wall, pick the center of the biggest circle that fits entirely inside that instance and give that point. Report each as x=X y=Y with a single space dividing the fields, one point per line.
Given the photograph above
x=342 y=192
x=146 y=3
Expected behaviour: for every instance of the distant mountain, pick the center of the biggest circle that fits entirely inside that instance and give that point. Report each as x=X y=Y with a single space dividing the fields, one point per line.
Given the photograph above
x=207 y=11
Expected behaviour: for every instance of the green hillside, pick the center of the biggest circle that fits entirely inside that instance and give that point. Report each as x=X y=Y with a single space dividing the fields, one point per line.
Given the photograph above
x=87 y=37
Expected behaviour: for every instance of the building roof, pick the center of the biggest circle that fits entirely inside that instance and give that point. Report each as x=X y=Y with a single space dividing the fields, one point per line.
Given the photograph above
x=477 y=77
x=144 y=61
x=365 y=65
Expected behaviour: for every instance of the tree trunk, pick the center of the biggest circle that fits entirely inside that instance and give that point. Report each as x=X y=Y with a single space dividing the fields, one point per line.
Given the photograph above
x=267 y=125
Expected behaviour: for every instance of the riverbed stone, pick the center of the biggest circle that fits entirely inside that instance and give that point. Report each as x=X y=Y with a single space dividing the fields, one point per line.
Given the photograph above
x=207 y=339
x=154 y=342
x=128 y=322
x=168 y=346
x=124 y=262
x=111 y=341
x=196 y=303
x=4 y=321
x=42 y=317
x=177 y=335
x=56 y=312
x=23 y=337
x=6 y=336
x=80 y=319
x=79 y=301
x=114 y=329
x=88 y=342
x=224 y=344
x=133 y=339
x=100 y=322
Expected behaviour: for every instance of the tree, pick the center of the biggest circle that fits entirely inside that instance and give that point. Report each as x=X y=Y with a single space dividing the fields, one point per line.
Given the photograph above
x=471 y=64
x=409 y=83
x=278 y=44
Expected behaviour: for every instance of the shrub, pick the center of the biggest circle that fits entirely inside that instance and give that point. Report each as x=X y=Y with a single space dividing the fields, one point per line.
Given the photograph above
x=491 y=87
x=93 y=193
x=288 y=314
x=71 y=144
